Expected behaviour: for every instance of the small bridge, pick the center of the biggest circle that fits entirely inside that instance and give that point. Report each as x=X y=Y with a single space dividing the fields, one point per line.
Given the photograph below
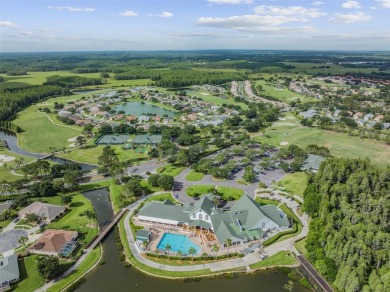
x=107 y=229
x=46 y=156
x=314 y=274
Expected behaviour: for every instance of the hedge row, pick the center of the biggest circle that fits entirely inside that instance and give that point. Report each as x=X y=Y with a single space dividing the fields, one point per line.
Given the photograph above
x=279 y=235
x=190 y=258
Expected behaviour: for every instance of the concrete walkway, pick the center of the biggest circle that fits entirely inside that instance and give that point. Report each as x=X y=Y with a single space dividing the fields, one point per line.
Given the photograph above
x=249 y=259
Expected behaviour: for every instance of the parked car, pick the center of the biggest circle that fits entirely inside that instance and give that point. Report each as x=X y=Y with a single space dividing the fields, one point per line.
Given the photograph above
x=16 y=220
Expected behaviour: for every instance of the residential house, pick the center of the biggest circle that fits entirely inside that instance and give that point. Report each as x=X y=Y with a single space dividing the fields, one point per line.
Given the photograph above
x=9 y=271
x=308 y=114
x=143 y=119
x=358 y=115
x=55 y=242
x=47 y=211
x=379 y=118
x=131 y=118
x=368 y=117
x=157 y=118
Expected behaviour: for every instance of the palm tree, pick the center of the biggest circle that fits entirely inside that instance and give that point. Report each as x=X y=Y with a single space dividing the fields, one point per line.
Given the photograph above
x=168 y=248
x=22 y=240
x=179 y=254
x=228 y=244
x=215 y=249
x=204 y=255
x=192 y=251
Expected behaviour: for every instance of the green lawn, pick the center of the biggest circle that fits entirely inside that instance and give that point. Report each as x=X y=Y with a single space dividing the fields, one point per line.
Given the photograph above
x=162 y=197
x=88 y=263
x=95 y=185
x=280 y=92
x=282 y=258
x=29 y=275
x=116 y=192
x=199 y=189
x=339 y=144
x=230 y=192
x=39 y=134
x=5 y=172
x=300 y=245
x=295 y=183
x=170 y=169
x=215 y=99
x=72 y=220
x=194 y=176
x=149 y=188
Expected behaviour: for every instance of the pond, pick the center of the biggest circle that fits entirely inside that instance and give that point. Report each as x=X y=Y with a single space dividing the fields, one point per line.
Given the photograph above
x=114 y=276
x=138 y=109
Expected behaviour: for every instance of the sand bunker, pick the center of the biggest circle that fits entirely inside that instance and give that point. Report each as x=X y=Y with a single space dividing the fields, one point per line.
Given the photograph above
x=203 y=93
x=6 y=158
x=283 y=143
x=72 y=139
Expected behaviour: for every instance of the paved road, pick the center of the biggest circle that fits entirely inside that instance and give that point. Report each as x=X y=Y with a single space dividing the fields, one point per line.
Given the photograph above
x=217 y=266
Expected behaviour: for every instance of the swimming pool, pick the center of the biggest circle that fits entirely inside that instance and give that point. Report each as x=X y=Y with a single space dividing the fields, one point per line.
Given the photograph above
x=177 y=242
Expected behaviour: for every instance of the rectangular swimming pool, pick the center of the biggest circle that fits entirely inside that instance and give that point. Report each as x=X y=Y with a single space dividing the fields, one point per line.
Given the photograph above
x=177 y=242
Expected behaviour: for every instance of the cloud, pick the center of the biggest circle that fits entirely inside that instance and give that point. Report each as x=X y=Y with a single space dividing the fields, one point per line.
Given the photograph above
x=26 y=33
x=384 y=3
x=7 y=23
x=317 y=3
x=254 y=23
x=128 y=13
x=289 y=11
x=350 y=18
x=72 y=9
x=194 y=34
x=351 y=4
x=165 y=14
x=231 y=2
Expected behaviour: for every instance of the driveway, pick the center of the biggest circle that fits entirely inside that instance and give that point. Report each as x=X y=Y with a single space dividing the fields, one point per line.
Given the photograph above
x=10 y=239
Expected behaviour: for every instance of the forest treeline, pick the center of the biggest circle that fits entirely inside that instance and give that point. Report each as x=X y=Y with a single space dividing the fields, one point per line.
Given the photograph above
x=14 y=100
x=179 y=78
x=349 y=237
x=72 y=81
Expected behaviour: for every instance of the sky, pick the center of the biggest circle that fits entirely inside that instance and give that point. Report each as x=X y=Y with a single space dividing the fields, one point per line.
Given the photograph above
x=126 y=25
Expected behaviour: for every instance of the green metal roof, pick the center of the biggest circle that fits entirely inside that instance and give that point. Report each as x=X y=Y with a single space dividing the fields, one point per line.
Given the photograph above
x=276 y=215
x=147 y=139
x=143 y=235
x=163 y=210
x=312 y=162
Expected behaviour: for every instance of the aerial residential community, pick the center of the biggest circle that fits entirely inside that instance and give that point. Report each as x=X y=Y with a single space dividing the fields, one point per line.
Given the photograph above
x=211 y=145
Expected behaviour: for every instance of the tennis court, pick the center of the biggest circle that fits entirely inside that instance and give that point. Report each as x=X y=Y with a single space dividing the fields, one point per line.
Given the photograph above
x=112 y=139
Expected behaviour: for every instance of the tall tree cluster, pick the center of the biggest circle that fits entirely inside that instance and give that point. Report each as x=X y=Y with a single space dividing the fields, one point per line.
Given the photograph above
x=349 y=238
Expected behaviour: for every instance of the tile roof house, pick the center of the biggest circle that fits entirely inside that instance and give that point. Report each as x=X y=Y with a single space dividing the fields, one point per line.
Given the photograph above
x=48 y=211
x=52 y=242
x=9 y=271
x=245 y=221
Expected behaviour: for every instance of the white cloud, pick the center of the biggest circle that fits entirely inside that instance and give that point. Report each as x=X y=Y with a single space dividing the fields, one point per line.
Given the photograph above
x=254 y=23
x=351 y=4
x=384 y=3
x=128 y=13
x=72 y=9
x=7 y=23
x=317 y=3
x=289 y=11
x=350 y=18
x=231 y=2
x=26 y=33
x=165 y=14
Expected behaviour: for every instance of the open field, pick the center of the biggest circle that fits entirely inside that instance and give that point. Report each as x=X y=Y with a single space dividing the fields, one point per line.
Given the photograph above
x=29 y=275
x=215 y=99
x=72 y=220
x=225 y=192
x=199 y=189
x=339 y=144
x=295 y=183
x=334 y=69
x=280 y=92
x=38 y=78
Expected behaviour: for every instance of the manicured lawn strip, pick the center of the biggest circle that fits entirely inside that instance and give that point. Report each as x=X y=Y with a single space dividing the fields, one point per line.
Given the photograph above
x=199 y=189
x=194 y=176
x=295 y=183
x=29 y=275
x=144 y=183
x=87 y=264
x=300 y=246
x=95 y=185
x=162 y=197
x=282 y=93
x=88 y=154
x=150 y=270
x=116 y=192
x=228 y=192
x=170 y=169
x=282 y=258
x=72 y=219
x=4 y=223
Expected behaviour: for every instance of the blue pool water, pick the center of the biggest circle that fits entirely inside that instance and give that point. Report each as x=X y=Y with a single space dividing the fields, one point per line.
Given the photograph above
x=177 y=242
